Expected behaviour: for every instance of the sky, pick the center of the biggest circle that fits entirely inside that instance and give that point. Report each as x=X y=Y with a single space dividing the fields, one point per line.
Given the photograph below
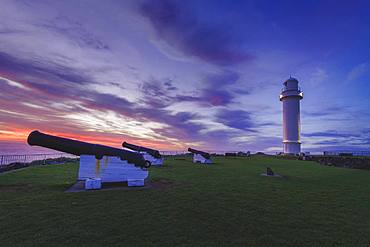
x=170 y=74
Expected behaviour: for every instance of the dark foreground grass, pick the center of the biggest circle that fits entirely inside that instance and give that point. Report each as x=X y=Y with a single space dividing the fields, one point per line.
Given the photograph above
x=226 y=204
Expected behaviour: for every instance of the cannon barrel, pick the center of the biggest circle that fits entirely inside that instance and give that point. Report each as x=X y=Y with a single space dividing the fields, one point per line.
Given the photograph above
x=204 y=154
x=153 y=152
x=75 y=147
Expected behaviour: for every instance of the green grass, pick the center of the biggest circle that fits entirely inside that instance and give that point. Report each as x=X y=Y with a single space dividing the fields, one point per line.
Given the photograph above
x=226 y=204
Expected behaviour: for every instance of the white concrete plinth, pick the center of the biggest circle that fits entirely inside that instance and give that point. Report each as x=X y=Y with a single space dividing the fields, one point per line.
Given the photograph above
x=93 y=184
x=198 y=158
x=109 y=169
x=135 y=182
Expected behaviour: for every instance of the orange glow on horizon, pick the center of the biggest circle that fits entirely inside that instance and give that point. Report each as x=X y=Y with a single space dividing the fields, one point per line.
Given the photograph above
x=20 y=136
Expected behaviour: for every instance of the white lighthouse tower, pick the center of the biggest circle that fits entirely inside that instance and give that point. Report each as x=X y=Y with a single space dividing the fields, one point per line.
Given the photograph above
x=290 y=96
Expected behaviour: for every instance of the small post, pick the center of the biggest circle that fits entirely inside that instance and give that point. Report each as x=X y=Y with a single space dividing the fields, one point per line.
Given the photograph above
x=269 y=171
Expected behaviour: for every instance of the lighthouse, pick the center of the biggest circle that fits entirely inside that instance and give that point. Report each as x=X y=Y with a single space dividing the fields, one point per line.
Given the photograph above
x=290 y=96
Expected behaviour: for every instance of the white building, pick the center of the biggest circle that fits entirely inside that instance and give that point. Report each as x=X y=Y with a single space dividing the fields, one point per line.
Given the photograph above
x=290 y=96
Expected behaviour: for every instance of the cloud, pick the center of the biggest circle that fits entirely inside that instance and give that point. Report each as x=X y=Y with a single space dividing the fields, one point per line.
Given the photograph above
x=217 y=88
x=41 y=68
x=74 y=30
x=89 y=111
x=326 y=111
x=13 y=83
x=334 y=140
x=180 y=29
x=318 y=76
x=359 y=71
x=217 y=97
x=329 y=133
x=329 y=142
x=156 y=93
x=215 y=91
x=237 y=119
x=366 y=131
x=63 y=87
x=222 y=79
x=92 y=110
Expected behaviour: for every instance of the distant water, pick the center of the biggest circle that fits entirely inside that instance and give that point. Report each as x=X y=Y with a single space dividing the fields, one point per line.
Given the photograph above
x=23 y=148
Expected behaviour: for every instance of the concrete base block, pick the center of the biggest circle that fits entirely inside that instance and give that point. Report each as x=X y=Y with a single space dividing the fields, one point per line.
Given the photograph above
x=135 y=182
x=93 y=184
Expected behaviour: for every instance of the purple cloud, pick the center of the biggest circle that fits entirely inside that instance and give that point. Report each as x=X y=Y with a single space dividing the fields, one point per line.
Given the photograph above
x=157 y=93
x=180 y=29
x=45 y=70
x=75 y=31
x=329 y=133
x=216 y=97
x=223 y=79
x=169 y=85
x=322 y=112
x=216 y=90
x=237 y=119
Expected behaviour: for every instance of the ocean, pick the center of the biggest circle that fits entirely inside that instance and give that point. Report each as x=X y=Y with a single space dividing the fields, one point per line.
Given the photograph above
x=23 y=153
x=17 y=148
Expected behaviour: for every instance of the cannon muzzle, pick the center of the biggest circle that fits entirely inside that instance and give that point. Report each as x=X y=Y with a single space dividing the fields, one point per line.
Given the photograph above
x=152 y=152
x=75 y=147
x=204 y=154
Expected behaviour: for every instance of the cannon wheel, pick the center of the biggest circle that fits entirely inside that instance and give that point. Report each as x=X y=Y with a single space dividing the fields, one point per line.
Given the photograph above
x=147 y=164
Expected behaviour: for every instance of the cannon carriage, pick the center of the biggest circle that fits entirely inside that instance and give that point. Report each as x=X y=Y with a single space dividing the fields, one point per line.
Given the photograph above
x=200 y=156
x=151 y=156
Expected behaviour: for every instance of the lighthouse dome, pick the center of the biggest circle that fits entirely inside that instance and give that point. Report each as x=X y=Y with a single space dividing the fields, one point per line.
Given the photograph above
x=291 y=84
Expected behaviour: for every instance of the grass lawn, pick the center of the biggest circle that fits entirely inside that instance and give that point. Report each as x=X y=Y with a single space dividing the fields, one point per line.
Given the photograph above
x=225 y=204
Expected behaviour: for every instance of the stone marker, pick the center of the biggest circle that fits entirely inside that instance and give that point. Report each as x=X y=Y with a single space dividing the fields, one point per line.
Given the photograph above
x=269 y=172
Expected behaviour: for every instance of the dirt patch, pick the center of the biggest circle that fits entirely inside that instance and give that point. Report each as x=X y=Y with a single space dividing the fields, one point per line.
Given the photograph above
x=162 y=184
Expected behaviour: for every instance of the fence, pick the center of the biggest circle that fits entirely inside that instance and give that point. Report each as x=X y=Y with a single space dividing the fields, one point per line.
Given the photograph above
x=26 y=158
x=354 y=153
x=208 y=151
x=169 y=153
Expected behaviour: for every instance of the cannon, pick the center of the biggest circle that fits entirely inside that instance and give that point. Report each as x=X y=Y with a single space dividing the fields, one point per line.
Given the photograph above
x=204 y=154
x=97 y=161
x=152 y=152
x=78 y=148
x=151 y=156
x=200 y=156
